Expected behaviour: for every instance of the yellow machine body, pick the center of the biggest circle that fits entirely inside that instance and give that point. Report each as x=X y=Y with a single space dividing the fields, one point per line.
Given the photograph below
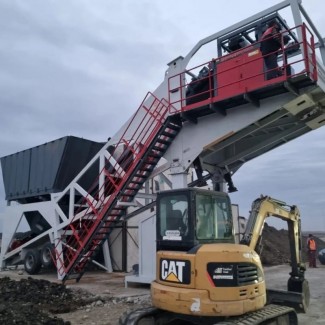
x=215 y=280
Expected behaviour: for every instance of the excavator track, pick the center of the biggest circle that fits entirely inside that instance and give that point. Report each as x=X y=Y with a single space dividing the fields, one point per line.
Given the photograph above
x=139 y=315
x=269 y=315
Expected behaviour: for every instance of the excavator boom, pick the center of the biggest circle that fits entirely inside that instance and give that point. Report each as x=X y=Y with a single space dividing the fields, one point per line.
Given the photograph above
x=265 y=207
x=297 y=295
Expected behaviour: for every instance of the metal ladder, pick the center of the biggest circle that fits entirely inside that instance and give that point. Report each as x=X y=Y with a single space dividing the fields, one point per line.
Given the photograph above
x=129 y=164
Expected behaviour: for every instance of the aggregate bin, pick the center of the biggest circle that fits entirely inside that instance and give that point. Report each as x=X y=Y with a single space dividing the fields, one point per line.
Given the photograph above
x=31 y=175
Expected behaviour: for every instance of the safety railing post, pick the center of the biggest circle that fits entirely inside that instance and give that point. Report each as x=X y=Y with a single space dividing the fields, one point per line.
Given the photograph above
x=305 y=49
x=313 y=57
x=284 y=57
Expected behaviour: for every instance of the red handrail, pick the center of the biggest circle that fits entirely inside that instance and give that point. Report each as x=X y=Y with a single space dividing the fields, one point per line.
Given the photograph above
x=135 y=141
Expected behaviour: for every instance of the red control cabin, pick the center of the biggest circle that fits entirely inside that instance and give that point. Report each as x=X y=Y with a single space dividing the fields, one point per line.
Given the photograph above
x=239 y=77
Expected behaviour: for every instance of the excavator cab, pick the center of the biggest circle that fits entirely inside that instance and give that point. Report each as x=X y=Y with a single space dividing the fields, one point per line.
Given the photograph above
x=190 y=217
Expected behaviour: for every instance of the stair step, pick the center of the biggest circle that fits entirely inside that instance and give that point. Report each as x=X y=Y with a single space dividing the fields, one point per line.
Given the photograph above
x=174 y=127
x=156 y=149
x=154 y=155
x=93 y=248
x=104 y=232
x=137 y=182
x=115 y=210
x=134 y=188
x=159 y=149
x=141 y=176
x=148 y=163
x=168 y=133
x=72 y=276
x=128 y=195
x=148 y=169
x=164 y=141
x=139 y=186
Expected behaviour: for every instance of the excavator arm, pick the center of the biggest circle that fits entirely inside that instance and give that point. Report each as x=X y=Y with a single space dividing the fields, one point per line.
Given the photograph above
x=263 y=207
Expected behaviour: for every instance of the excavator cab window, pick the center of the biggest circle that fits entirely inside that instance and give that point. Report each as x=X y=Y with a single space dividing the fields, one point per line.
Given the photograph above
x=213 y=218
x=189 y=217
x=174 y=217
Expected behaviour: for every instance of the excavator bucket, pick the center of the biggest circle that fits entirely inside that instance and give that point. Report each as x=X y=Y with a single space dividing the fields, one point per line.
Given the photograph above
x=297 y=296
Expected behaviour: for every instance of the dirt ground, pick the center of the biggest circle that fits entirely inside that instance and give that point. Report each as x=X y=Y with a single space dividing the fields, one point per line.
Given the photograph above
x=276 y=278
x=101 y=298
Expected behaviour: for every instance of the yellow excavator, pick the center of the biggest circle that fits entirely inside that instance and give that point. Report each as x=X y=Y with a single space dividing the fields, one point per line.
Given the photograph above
x=204 y=277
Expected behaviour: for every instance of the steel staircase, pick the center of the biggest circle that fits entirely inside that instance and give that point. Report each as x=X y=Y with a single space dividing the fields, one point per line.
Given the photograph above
x=127 y=167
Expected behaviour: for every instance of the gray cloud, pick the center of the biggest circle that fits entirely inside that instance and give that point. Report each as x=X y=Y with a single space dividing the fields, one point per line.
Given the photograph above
x=82 y=67
x=292 y=173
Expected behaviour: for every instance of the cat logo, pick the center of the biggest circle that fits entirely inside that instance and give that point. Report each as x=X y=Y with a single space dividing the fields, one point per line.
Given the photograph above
x=175 y=271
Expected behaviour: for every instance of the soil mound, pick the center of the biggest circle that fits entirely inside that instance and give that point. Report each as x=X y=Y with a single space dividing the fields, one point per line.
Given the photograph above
x=275 y=249
x=32 y=302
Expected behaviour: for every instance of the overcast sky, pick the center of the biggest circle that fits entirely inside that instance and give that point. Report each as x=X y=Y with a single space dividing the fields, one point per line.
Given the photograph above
x=81 y=67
